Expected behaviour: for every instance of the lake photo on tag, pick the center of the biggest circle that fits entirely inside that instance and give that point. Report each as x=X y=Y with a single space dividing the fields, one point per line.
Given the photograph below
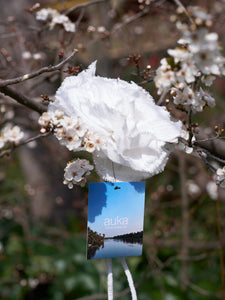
x=115 y=219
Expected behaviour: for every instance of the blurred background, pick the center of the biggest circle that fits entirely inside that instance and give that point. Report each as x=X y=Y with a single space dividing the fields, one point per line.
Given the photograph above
x=42 y=222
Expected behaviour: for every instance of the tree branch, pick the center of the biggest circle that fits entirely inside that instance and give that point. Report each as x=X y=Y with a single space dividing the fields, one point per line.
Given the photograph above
x=22 y=99
x=214 y=146
x=81 y=6
x=22 y=78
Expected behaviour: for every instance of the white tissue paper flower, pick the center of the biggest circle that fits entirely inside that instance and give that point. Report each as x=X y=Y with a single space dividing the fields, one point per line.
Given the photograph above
x=130 y=134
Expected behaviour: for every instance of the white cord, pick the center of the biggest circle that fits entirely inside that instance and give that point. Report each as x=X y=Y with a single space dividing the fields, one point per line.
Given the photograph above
x=129 y=278
x=110 y=279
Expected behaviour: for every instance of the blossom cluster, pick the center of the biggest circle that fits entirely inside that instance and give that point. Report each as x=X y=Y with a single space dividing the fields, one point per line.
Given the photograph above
x=76 y=172
x=220 y=179
x=70 y=131
x=10 y=135
x=53 y=17
x=196 y=60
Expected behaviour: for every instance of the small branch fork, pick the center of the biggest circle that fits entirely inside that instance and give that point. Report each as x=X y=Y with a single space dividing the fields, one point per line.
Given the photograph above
x=203 y=153
x=8 y=151
x=20 y=98
x=129 y=20
x=25 y=77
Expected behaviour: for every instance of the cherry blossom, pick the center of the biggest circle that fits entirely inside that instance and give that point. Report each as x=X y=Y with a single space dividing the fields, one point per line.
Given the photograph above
x=10 y=134
x=198 y=58
x=45 y=119
x=165 y=77
x=220 y=179
x=54 y=18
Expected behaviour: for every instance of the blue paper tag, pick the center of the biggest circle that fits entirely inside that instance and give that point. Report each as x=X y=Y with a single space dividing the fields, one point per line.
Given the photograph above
x=115 y=219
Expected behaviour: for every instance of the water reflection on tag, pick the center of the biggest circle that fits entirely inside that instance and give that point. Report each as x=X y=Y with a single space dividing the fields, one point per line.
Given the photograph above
x=115 y=219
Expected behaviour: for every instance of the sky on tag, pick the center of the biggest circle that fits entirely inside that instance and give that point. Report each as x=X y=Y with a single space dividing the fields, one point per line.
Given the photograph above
x=115 y=201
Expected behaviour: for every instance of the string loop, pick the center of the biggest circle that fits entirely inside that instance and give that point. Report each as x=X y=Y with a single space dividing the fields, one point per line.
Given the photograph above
x=110 y=279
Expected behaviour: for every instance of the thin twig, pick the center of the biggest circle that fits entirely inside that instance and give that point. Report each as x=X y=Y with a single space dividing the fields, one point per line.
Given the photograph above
x=145 y=81
x=129 y=20
x=215 y=146
x=178 y=3
x=34 y=138
x=201 y=291
x=200 y=148
x=196 y=288
x=81 y=6
x=161 y=99
x=213 y=169
x=81 y=15
x=22 y=78
x=8 y=151
x=208 y=139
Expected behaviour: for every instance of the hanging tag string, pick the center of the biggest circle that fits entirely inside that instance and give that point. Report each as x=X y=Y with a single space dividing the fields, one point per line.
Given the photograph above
x=125 y=267
x=129 y=278
x=110 y=279
x=114 y=175
x=109 y=265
